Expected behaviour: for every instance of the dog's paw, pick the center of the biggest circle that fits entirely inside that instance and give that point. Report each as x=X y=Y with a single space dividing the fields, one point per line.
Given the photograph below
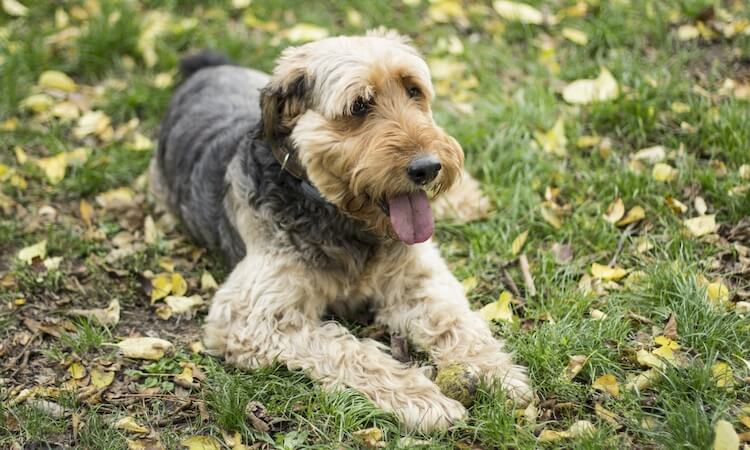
x=430 y=412
x=515 y=383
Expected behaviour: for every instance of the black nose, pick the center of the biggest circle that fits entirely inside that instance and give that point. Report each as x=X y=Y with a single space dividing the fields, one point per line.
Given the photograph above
x=423 y=169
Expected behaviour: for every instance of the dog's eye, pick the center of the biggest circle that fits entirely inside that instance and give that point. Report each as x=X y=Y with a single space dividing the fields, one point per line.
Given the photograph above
x=360 y=107
x=414 y=92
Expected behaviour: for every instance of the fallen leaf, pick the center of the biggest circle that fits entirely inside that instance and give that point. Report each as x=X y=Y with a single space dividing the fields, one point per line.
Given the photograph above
x=575 y=36
x=38 y=250
x=597 y=314
x=607 y=383
x=725 y=436
x=635 y=214
x=583 y=92
x=201 y=443
x=38 y=103
x=643 y=381
x=14 y=8
x=86 y=211
x=498 y=310
x=651 y=155
x=744 y=171
x=554 y=140
x=116 y=199
x=648 y=359
x=161 y=286
x=56 y=80
x=670 y=328
x=687 y=32
x=551 y=217
x=615 y=211
x=128 y=423
x=304 y=32
x=723 y=375
x=677 y=206
x=370 y=437
x=144 y=444
x=581 y=428
x=607 y=415
x=575 y=365
x=518 y=12
x=101 y=378
x=77 y=371
x=552 y=435
x=469 y=283
x=208 y=282
x=179 y=285
x=519 y=242
x=108 y=316
x=607 y=273
x=701 y=225
x=53 y=167
x=144 y=348
x=563 y=253
x=183 y=305
x=700 y=205
x=717 y=292
x=663 y=172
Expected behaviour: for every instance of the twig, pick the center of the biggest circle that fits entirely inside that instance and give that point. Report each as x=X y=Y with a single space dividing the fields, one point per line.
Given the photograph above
x=508 y=281
x=173 y=415
x=527 y=279
x=621 y=242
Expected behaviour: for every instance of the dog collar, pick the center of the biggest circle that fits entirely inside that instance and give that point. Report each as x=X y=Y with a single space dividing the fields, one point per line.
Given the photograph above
x=291 y=165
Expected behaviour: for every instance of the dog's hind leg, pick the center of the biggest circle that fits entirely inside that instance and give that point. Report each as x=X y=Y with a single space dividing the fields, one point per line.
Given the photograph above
x=268 y=310
x=427 y=304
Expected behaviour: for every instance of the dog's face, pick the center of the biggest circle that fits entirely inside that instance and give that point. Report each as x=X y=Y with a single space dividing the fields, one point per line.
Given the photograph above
x=357 y=111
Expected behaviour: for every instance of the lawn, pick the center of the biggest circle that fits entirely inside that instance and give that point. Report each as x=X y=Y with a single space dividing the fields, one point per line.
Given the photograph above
x=631 y=210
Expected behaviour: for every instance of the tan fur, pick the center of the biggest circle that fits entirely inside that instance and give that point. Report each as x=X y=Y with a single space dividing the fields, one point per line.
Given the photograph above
x=271 y=305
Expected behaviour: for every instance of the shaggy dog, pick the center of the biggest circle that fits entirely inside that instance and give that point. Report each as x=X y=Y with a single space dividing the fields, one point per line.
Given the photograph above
x=315 y=184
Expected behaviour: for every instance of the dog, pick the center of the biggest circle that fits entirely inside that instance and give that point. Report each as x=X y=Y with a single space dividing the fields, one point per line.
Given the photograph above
x=315 y=183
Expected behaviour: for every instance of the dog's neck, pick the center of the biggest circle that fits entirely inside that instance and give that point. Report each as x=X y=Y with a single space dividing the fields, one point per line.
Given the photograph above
x=286 y=155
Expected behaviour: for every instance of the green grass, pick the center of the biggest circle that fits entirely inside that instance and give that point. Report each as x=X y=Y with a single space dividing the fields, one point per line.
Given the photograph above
x=516 y=95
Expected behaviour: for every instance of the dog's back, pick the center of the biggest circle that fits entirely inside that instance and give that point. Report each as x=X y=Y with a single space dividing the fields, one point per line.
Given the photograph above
x=211 y=112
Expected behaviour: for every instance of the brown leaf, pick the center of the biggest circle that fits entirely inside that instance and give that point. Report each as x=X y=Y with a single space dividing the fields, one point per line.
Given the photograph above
x=670 y=328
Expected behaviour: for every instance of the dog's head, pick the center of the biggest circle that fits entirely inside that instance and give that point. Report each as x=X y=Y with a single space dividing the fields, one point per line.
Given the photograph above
x=357 y=111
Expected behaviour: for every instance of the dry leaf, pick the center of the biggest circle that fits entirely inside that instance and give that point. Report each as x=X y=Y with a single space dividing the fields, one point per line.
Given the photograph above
x=648 y=359
x=77 y=371
x=370 y=437
x=53 y=79
x=161 y=286
x=38 y=103
x=635 y=214
x=208 y=282
x=552 y=435
x=575 y=365
x=563 y=253
x=717 y=292
x=575 y=36
x=38 y=250
x=304 y=32
x=518 y=12
x=615 y=211
x=469 y=283
x=663 y=172
x=677 y=206
x=670 y=329
x=554 y=140
x=700 y=205
x=583 y=92
x=607 y=273
x=144 y=444
x=726 y=438
x=519 y=242
x=643 y=381
x=498 y=310
x=701 y=225
x=551 y=217
x=108 y=316
x=597 y=314
x=145 y=348
x=183 y=305
x=86 y=211
x=581 y=428
x=116 y=199
x=723 y=375
x=101 y=378
x=607 y=383
x=93 y=123
x=128 y=423
x=201 y=443
x=651 y=155
x=14 y=8
x=607 y=415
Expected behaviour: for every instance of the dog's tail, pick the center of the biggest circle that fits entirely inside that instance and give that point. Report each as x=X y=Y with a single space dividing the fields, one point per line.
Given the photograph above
x=197 y=61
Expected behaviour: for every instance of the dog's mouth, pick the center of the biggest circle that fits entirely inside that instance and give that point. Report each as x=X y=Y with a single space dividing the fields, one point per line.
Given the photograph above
x=411 y=216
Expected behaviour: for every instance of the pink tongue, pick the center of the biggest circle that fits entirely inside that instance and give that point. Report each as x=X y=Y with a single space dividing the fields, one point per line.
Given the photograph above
x=411 y=217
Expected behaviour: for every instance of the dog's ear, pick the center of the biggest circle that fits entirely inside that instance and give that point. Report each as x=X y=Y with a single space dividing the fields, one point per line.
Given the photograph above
x=285 y=96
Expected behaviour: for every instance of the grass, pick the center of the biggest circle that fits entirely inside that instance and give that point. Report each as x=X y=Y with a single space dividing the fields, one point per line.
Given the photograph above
x=511 y=82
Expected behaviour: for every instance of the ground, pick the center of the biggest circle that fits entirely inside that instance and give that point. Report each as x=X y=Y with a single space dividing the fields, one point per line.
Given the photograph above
x=636 y=324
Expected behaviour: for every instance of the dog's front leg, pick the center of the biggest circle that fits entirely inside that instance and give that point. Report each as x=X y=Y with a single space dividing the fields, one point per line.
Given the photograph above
x=268 y=310
x=428 y=305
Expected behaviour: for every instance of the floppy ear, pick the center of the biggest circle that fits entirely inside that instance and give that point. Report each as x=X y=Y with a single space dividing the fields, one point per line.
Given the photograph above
x=284 y=98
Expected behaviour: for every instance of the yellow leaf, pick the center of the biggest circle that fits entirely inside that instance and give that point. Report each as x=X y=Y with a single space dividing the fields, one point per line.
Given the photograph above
x=183 y=305
x=648 y=359
x=700 y=205
x=116 y=199
x=581 y=428
x=201 y=443
x=575 y=365
x=14 y=8
x=101 y=378
x=144 y=348
x=21 y=156
x=53 y=79
x=588 y=141
x=9 y=124
x=161 y=286
x=179 y=285
x=726 y=438
x=744 y=171
x=664 y=341
x=723 y=375
x=469 y=283
x=518 y=242
x=444 y=10
x=575 y=36
x=76 y=371
x=676 y=205
x=635 y=214
x=208 y=282
x=304 y=32
x=551 y=217
x=87 y=212
x=583 y=92
x=185 y=378
x=53 y=167
x=651 y=155
x=745 y=419
x=518 y=12
x=144 y=444
x=615 y=211
x=66 y=111
x=679 y=107
x=554 y=140
x=701 y=225
x=687 y=32
x=644 y=380
x=108 y=316
x=38 y=103
x=717 y=292
x=128 y=423
x=552 y=435
x=607 y=383
x=607 y=415
x=498 y=310
x=663 y=172
x=92 y=123
x=607 y=273
x=38 y=250
x=370 y=437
